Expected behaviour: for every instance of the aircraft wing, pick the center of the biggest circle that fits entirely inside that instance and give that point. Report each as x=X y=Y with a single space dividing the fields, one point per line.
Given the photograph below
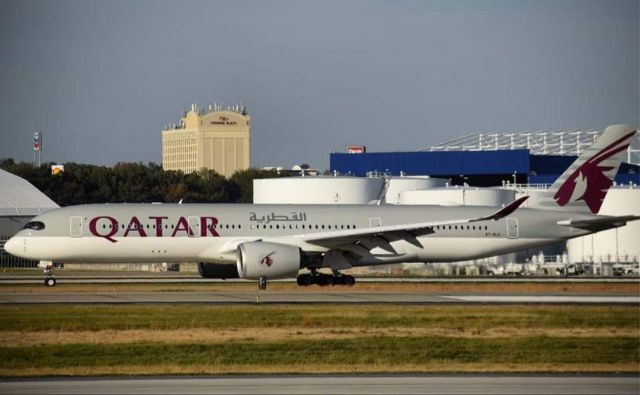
x=598 y=224
x=408 y=232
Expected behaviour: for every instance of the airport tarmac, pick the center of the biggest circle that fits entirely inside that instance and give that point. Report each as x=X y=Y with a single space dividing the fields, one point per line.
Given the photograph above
x=164 y=278
x=303 y=296
x=334 y=384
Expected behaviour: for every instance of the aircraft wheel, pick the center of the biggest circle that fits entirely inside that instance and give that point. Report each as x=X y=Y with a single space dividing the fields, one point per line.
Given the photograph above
x=304 y=280
x=323 y=280
x=50 y=282
x=262 y=283
x=349 y=281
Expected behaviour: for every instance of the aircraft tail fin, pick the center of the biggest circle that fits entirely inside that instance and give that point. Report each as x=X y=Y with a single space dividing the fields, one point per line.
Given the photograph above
x=584 y=185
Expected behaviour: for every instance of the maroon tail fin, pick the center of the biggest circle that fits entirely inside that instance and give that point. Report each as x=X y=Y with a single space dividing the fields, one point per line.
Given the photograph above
x=584 y=185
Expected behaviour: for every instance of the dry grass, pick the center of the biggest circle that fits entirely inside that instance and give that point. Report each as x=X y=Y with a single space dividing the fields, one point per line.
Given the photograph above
x=173 y=369
x=206 y=336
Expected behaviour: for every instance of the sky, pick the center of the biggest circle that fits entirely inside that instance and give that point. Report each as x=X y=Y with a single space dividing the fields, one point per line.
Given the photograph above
x=100 y=79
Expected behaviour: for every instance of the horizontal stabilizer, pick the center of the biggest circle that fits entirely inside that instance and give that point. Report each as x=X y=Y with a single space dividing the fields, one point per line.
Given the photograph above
x=598 y=224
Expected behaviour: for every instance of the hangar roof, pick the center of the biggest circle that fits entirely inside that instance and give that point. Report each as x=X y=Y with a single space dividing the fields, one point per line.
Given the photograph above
x=19 y=198
x=488 y=159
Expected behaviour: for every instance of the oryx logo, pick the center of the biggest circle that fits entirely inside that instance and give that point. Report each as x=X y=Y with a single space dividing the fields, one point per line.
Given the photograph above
x=590 y=181
x=267 y=260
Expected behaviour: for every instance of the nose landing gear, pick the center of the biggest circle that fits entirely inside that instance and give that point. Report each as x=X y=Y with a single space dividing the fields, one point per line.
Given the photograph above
x=262 y=283
x=50 y=279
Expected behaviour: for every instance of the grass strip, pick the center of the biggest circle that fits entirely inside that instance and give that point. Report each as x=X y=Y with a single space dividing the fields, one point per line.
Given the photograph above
x=384 y=352
x=168 y=339
x=179 y=317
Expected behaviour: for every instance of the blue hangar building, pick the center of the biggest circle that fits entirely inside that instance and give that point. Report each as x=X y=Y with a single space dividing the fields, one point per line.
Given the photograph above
x=485 y=160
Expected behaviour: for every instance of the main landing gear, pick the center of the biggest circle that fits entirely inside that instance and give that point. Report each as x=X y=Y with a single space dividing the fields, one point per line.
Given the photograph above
x=322 y=279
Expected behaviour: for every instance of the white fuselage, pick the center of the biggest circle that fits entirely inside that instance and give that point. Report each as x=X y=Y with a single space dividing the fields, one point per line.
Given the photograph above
x=211 y=233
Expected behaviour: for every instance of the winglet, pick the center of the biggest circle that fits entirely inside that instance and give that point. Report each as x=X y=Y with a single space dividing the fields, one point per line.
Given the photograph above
x=503 y=212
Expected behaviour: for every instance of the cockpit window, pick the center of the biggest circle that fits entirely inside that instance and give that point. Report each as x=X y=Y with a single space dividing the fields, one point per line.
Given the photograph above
x=35 y=225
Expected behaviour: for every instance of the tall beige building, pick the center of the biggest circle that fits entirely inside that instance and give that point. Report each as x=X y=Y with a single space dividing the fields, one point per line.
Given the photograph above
x=212 y=138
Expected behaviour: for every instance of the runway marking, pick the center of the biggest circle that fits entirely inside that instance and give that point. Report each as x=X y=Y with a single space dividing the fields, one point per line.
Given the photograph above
x=344 y=384
x=546 y=299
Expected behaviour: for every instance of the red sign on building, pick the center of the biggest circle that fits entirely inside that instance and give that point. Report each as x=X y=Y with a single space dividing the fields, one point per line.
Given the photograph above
x=356 y=149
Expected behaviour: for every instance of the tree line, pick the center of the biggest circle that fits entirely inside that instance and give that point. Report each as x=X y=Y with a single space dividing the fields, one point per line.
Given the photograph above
x=136 y=183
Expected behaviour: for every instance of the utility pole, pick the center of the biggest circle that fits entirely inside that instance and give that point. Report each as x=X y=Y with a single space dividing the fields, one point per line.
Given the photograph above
x=37 y=149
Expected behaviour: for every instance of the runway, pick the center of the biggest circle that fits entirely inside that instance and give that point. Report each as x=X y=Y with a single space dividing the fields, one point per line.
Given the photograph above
x=336 y=384
x=303 y=297
x=182 y=279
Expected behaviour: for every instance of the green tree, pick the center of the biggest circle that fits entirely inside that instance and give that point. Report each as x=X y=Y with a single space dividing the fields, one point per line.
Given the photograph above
x=243 y=179
x=136 y=183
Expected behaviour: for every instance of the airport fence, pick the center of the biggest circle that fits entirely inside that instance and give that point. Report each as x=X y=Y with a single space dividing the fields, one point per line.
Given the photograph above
x=9 y=261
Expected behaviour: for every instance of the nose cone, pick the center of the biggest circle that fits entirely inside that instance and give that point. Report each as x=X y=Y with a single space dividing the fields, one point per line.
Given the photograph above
x=12 y=246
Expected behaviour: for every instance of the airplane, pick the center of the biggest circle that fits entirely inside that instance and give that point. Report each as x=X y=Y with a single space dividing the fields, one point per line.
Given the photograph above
x=266 y=242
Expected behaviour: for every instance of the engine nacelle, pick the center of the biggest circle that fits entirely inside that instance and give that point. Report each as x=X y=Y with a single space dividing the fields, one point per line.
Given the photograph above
x=218 y=270
x=272 y=260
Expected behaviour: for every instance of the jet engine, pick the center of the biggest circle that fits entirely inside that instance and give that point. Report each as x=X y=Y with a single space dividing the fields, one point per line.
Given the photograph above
x=270 y=260
x=218 y=270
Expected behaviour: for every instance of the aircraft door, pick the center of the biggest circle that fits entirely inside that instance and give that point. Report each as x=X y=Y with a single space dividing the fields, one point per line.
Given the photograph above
x=512 y=228
x=194 y=226
x=75 y=226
